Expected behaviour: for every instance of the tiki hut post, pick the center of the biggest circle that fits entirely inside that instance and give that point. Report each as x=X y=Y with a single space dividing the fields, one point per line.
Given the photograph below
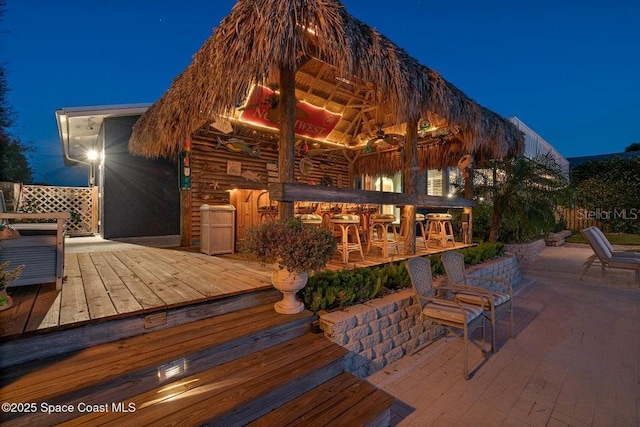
x=410 y=169
x=286 y=147
x=467 y=231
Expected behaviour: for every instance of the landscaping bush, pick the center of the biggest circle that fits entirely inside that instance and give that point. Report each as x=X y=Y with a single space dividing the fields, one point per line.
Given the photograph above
x=328 y=290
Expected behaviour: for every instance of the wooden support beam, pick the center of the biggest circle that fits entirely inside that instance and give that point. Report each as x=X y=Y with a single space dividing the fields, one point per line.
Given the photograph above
x=291 y=192
x=409 y=172
x=287 y=151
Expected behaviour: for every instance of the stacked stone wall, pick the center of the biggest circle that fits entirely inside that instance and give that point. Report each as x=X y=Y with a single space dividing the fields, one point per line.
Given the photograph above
x=381 y=331
x=526 y=252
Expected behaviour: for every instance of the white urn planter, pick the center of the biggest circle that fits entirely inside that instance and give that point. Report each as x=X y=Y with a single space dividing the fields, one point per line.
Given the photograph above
x=5 y=300
x=289 y=283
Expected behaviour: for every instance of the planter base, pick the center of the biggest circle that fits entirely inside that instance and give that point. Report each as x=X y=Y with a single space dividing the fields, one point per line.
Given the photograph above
x=289 y=284
x=289 y=305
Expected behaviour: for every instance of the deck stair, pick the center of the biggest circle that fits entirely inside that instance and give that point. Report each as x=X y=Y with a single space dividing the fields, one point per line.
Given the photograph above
x=250 y=366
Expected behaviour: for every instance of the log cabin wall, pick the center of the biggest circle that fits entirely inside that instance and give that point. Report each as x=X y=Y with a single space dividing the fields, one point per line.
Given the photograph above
x=223 y=176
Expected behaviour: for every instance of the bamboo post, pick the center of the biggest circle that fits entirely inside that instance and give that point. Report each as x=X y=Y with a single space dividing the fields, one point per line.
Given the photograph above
x=468 y=193
x=409 y=172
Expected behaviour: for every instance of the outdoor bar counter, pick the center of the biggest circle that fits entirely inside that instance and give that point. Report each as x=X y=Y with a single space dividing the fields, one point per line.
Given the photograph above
x=294 y=192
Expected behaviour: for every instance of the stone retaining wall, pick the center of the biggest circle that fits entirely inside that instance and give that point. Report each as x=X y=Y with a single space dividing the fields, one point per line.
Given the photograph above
x=526 y=252
x=381 y=330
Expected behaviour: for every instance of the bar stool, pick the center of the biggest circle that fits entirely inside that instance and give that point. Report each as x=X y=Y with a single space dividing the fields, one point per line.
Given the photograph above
x=348 y=224
x=423 y=234
x=310 y=219
x=305 y=208
x=327 y=210
x=267 y=209
x=379 y=233
x=440 y=229
x=420 y=235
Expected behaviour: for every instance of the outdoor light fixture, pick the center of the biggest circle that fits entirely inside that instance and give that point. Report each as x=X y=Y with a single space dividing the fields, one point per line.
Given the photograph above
x=172 y=369
x=92 y=155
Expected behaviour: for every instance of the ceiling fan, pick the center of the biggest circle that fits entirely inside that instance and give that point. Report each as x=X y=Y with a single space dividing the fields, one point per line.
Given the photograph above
x=382 y=137
x=272 y=104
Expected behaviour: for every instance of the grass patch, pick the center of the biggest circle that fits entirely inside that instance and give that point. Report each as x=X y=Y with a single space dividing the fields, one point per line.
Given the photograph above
x=614 y=238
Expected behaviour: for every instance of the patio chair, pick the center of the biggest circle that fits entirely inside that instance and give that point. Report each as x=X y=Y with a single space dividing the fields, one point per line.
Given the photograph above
x=606 y=256
x=497 y=296
x=452 y=315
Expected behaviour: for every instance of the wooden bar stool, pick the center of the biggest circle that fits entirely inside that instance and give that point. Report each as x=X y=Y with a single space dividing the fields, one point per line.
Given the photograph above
x=327 y=210
x=440 y=229
x=348 y=224
x=379 y=233
x=423 y=233
x=267 y=209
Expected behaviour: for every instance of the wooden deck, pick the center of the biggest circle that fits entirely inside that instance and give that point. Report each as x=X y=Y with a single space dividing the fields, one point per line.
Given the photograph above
x=113 y=284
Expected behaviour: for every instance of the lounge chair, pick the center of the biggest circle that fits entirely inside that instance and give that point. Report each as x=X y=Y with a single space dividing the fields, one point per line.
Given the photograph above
x=453 y=315
x=496 y=298
x=606 y=256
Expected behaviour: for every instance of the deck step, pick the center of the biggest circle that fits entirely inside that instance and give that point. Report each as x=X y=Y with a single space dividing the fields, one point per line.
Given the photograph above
x=343 y=400
x=22 y=348
x=251 y=366
x=135 y=365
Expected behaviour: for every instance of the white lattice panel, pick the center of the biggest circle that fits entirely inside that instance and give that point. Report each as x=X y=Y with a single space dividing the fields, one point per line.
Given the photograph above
x=78 y=201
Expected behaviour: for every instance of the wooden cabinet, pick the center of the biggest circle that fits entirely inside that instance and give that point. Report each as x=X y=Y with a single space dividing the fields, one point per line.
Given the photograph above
x=218 y=231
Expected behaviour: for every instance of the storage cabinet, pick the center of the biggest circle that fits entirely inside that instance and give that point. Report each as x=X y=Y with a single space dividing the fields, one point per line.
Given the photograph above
x=218 y=230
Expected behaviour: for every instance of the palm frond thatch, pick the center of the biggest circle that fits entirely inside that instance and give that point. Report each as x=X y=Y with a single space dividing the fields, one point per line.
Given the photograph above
x=259 y=37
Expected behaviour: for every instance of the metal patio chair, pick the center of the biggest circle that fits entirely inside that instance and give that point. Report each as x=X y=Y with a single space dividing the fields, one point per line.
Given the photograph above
x=452 y=315
x=497 y=295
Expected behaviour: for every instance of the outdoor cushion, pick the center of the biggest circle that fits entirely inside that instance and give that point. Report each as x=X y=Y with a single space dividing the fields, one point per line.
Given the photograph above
x=625 y=262
x=447 y=311
x=440 y=216
x=615 y=254
x=383 y=218
x=345 y=218
x=420 y=217
x=475 y=299
x=310 y=218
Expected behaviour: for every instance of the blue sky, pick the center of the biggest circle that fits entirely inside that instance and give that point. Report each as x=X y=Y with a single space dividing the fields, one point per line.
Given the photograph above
x=569 y=69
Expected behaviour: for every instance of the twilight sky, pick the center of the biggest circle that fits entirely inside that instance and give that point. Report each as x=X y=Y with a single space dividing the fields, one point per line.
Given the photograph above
x=568 y=69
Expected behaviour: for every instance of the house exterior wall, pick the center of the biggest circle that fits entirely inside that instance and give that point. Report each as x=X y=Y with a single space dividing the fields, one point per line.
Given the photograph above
x=139 y=196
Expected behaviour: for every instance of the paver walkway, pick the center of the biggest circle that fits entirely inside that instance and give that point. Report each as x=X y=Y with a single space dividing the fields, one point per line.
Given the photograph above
x=574 y=362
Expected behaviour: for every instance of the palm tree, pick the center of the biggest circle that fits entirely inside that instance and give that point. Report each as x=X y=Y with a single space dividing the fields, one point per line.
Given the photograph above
x=524 y=194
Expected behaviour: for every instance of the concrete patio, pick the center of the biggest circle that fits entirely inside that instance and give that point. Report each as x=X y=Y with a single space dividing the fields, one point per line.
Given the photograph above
x=574 y=362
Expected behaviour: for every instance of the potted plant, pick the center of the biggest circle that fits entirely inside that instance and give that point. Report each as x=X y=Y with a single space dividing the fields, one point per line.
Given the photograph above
x=295 y=251
x=6 y=277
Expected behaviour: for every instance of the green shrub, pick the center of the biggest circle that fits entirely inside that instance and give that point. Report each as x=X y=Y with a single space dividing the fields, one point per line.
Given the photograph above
x=327 y=290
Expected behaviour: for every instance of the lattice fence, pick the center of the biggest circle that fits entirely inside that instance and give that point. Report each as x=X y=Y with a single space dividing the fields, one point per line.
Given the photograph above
x=80 y=202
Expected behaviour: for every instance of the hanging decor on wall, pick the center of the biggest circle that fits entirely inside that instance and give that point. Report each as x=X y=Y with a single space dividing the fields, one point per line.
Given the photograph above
x=239 y=146
x=306 y=166
x=234 y=168
x=250 y=176
x=185 y=165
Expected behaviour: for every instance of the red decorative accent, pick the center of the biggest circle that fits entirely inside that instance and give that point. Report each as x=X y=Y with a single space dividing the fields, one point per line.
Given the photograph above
x=187 y=144
x=311 y=121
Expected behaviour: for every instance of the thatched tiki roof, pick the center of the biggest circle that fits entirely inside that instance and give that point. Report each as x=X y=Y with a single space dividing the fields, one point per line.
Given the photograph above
x=343 y=66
